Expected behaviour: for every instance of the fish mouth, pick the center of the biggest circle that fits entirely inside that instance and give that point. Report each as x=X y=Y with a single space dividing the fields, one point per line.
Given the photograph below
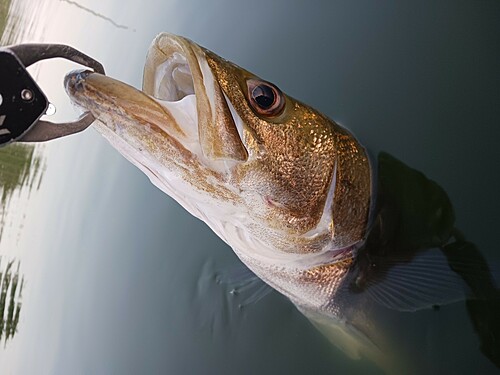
x=180 y=97
x=169 y=80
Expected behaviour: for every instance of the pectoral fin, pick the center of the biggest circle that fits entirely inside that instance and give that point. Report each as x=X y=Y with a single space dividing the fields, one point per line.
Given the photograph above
x=424 y=281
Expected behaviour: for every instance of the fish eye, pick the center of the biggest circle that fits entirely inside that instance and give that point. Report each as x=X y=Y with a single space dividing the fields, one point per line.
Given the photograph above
x=265 y=98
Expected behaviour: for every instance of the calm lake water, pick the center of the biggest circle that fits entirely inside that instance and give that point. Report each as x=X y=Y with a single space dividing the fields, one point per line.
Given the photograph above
x=116 y=278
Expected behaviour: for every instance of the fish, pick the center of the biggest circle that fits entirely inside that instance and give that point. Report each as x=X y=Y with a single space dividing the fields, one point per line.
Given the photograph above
x=293 y=193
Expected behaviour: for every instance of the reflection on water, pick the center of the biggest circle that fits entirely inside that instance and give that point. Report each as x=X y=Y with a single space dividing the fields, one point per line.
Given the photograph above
x=4 y=11
x=14 y=25
x=20 y=165
x=11 y=289
x=9 y=18
x=21 y=170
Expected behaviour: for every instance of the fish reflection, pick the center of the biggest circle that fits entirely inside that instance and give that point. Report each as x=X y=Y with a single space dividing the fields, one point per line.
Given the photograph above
x=348 y=240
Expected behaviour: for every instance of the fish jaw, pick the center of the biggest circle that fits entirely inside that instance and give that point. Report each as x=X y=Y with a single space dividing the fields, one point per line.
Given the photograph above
x=146 y=131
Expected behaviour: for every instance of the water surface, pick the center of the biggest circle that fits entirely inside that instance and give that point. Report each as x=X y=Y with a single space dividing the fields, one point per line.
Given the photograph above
x=119 y=279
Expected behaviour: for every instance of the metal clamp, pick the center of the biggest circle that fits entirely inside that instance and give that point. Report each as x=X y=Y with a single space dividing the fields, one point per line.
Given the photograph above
x=29 y=54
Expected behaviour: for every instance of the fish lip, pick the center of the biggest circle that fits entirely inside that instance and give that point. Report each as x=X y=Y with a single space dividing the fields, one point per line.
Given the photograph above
x=218 y=136
x=162 y=49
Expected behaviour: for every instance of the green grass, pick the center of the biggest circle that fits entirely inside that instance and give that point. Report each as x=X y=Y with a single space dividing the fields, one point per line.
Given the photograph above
x=11 y=286
x=4 y=12
x=19 y=167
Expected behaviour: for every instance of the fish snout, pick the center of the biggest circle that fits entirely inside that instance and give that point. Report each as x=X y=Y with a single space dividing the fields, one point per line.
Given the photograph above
x=74 y=81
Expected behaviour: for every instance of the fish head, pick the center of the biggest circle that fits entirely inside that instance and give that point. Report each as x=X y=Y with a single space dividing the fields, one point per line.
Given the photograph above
x=269 y=174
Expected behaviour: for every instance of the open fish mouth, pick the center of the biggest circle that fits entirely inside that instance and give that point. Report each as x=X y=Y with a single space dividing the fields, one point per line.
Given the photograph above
x=180 y=98
x=173 y=80
x=168 y=78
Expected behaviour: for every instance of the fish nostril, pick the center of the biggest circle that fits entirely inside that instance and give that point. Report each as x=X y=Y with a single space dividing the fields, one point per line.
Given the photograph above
x=78 y=85
x=82 y=75
x=74 y=80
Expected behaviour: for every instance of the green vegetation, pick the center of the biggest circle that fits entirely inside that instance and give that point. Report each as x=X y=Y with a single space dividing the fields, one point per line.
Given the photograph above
x=4 y=12
x=10 y=306
x=19 y=167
